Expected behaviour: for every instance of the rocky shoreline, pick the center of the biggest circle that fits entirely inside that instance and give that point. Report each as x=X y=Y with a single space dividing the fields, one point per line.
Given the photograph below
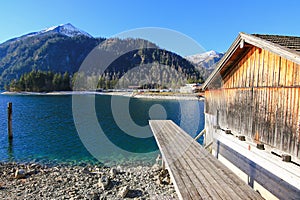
x=37 y=181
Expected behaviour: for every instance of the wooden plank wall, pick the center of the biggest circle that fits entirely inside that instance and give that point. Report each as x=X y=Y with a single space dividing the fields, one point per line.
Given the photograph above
x=260 y=99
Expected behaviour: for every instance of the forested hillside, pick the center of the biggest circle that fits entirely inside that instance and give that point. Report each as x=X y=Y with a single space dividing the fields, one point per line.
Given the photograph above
x=48 y=55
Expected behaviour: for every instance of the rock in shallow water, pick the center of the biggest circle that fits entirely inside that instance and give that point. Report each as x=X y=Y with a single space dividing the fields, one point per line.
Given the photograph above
x=158 y=159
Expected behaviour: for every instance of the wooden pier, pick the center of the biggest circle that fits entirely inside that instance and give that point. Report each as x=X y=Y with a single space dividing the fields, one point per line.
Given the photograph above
x=195 y=173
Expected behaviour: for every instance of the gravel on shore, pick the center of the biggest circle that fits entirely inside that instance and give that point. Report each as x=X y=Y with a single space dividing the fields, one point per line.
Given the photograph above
x=37 y=181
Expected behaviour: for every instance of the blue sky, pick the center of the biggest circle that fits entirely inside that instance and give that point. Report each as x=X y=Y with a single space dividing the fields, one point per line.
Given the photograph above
x=212 y=24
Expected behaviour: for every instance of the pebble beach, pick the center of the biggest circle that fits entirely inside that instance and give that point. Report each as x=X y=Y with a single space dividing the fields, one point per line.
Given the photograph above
x=37 y=181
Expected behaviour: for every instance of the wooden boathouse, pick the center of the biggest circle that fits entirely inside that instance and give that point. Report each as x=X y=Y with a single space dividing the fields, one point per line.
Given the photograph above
x=255 y=90
x=252 y=112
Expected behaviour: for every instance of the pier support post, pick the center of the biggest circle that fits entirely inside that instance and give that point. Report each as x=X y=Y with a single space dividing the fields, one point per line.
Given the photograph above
x=9 y=121
x=163 y=164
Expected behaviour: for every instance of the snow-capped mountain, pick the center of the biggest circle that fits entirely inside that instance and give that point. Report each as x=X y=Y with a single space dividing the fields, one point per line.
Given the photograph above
x=63 y=29
x=207 y=59
x=56 y=50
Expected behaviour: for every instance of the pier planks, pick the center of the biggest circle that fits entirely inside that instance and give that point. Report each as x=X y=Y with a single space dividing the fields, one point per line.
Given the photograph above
x=196 y=173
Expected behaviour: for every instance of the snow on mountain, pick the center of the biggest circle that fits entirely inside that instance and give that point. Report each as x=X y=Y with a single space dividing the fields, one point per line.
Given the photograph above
x=207 y=59
x=65 y=29
x=198 y=58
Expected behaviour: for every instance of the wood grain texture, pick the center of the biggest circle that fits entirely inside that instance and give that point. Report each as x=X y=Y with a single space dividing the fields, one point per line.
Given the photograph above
x=260 y=96
x=196 y=174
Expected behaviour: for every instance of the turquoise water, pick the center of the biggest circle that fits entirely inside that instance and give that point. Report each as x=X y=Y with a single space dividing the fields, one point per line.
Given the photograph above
x=44 y=128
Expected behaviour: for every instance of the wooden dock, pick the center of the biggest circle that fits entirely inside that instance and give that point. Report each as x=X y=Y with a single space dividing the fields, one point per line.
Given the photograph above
x=195 y=173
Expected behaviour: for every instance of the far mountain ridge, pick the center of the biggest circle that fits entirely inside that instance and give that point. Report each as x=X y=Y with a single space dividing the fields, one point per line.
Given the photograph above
x=207 y=59
x=63 y=48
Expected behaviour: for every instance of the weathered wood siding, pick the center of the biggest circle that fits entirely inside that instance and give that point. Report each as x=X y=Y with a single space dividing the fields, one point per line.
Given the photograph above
x=260 y=99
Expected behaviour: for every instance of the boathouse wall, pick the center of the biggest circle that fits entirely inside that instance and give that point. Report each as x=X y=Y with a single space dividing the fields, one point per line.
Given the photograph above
x=258 y=96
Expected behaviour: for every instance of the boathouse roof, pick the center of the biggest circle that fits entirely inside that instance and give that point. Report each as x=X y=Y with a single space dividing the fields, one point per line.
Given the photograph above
x=290 y=42
x=285 y=46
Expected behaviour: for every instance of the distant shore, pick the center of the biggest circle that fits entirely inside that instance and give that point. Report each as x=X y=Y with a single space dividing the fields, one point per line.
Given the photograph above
x=36 y=181
x=169 y=96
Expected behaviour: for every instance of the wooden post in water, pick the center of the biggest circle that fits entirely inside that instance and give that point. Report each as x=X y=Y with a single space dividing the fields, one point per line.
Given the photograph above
x=9 y=121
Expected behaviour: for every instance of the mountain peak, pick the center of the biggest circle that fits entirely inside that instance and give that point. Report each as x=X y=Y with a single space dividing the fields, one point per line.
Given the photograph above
x=204 y=54
x=206 y=59
x=65 y=29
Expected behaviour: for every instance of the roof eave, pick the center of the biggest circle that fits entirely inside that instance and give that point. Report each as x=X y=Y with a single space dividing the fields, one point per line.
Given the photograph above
x=287 y=53
x=223 y=60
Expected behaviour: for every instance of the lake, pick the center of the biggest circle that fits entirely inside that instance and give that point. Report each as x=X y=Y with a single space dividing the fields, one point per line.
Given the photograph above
x=90 y=128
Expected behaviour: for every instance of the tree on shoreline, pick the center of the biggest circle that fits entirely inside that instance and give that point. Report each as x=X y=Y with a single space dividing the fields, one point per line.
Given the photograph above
x=40 y=81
